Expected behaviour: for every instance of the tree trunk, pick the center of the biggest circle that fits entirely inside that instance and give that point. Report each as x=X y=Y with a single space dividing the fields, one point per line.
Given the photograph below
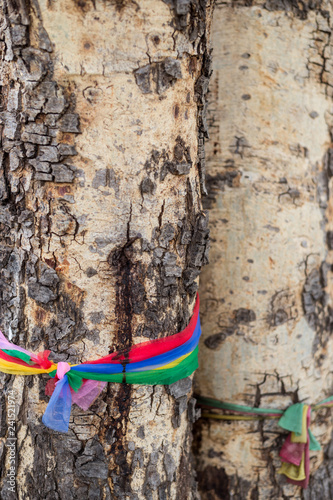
x=102 y=231
x=267 y=294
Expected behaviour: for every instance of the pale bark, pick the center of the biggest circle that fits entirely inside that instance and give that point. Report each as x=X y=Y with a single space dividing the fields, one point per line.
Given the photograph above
x=267 y=293
x=102 y=231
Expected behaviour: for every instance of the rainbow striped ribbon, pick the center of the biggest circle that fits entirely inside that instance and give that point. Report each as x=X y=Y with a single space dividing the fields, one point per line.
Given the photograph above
x=161 y=361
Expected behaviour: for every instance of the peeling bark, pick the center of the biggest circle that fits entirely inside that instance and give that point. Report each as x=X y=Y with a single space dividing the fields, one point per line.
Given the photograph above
x=267 y=294
x=102 y=231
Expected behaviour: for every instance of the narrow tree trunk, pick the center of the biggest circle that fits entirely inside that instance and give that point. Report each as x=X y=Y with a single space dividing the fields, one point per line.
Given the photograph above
x=267 y=293
x=102 y=231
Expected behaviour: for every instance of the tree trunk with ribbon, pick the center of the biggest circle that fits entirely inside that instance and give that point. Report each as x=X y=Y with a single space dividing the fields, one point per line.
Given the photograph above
x=266 y=296
x=102 y=233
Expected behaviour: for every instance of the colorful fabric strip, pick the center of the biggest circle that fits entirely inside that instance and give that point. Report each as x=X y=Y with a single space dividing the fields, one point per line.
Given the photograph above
x=161 y=361
x=295 y=419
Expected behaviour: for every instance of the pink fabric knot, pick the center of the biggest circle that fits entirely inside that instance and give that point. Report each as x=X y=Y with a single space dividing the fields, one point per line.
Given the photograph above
x=62 y=369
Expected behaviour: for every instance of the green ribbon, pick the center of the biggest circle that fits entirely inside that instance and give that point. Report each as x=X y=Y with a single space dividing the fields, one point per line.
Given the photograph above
x=291 y=419
x=19 y=355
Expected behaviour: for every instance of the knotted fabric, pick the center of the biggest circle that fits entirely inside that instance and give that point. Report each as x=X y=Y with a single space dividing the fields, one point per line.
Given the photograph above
x=295 y=419
x=161 y=361
x=295 y=450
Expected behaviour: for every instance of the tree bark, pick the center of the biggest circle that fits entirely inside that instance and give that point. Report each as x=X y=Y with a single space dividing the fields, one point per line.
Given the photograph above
x=102 y=230
x=267 y=294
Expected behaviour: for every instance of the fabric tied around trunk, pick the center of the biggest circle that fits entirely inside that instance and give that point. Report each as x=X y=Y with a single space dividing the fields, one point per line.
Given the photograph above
x=162 y=361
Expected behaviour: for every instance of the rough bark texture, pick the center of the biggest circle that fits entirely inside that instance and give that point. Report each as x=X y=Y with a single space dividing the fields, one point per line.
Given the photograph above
x=267 y=305
x=102 y=230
